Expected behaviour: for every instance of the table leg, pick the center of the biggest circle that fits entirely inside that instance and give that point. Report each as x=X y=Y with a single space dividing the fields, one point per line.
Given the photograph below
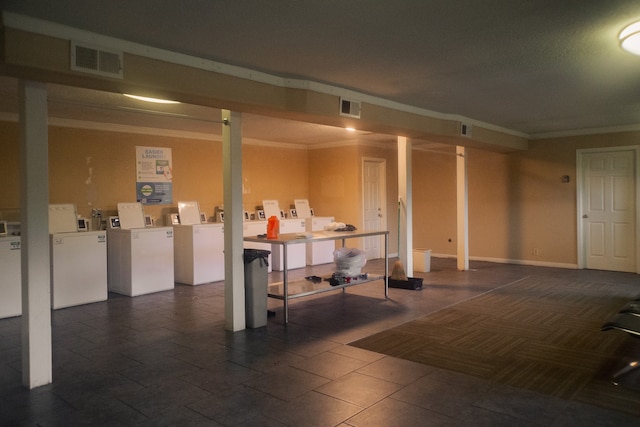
x=285 y=284
x=386 y=266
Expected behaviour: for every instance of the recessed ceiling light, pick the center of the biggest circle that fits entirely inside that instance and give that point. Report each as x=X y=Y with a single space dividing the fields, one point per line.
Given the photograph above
x=155 y=100
x=630 y=38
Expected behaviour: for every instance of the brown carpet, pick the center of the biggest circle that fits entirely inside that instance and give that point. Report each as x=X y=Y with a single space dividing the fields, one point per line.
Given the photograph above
x=540 y=334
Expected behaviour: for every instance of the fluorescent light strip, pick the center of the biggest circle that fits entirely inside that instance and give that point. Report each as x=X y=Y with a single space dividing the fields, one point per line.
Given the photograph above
x=154 y=100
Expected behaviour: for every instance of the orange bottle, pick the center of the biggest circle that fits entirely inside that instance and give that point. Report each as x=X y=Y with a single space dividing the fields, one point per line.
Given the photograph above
x=273 y=227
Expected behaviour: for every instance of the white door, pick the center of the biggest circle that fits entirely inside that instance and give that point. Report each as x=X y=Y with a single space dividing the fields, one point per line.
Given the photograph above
x=373 y=204
x=609 y=210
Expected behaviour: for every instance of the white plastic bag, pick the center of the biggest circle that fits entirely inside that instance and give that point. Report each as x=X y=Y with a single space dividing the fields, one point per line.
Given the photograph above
x=349 y=261
x=332 y=226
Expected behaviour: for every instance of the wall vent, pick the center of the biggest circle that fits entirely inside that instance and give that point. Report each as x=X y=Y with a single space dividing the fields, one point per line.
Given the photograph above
x=89 y=59
x=465 y=130
x=349 y=108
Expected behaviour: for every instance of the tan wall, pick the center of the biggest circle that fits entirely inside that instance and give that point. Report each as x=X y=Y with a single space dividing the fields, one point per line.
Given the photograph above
x=548 y=206
x=517 y=201
x=111 y=158
x=434 y=201
x=270 y=172
x=9 y=172
x=335 y=185
x=542 y=211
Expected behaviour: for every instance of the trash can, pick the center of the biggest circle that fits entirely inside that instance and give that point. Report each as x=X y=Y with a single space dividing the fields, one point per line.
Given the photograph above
x=256 y=277
x=422 y=260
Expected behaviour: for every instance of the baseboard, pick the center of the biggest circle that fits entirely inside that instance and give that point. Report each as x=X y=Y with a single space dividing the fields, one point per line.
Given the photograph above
x=514 y=261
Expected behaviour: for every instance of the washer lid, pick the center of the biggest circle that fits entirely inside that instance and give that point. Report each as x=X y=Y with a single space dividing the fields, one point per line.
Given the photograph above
x=189 y=213
x=62 y=218
x=131 y=215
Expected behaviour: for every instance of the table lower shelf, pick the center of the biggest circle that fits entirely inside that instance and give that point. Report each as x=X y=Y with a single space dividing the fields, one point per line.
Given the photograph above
x=303 y=288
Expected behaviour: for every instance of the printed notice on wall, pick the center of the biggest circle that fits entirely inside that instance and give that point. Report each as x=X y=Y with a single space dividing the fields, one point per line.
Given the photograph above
x=154 y=176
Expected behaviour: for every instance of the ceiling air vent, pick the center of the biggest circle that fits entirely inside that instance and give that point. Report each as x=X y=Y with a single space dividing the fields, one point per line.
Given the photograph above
x=349 y=108
x=94 y=60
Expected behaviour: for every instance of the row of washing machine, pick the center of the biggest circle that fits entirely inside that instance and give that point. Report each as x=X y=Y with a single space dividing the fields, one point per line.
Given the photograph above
x=86 y=265
x=299 y=255
x=200 y=257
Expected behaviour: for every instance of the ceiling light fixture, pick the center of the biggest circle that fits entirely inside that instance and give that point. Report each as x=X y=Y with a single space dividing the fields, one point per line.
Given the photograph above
x=630 y=38
x=350 y=129
x=154 y=100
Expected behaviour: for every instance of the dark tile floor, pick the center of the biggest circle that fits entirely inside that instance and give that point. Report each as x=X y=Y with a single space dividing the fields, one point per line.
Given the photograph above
x=165 y=359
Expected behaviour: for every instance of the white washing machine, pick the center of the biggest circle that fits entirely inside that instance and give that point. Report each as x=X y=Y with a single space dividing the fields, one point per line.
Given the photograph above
x=78 y=268
x=78 y=259
x=10 y=277
x=140 y=260
x=296 y=254
x=255 y=228
x=198 y=253
x=319 y=252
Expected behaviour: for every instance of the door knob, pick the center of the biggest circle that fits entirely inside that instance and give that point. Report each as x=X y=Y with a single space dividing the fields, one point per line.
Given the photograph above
x=585 y=216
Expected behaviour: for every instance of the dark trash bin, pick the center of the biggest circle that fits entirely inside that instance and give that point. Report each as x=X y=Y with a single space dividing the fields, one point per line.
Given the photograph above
x=256 y=263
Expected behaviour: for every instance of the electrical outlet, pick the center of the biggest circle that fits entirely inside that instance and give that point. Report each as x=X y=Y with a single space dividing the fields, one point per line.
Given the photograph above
x=536 y=251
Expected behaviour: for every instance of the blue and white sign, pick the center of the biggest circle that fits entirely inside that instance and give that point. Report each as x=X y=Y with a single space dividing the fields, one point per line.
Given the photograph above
x=154 y=176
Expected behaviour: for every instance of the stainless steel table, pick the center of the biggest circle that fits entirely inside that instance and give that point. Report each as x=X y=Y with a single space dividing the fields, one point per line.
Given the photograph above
x=283 y=290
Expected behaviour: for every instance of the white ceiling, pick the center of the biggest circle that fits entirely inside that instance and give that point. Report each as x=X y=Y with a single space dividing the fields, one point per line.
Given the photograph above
x=537 y=67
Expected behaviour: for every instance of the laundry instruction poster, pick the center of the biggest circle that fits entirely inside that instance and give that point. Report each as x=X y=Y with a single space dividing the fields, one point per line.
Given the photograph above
x=154 y=175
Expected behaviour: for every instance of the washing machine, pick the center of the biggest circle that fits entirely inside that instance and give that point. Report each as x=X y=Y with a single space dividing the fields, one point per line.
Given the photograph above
x=198 y=253
x=319 y=252
x=78 y=268
x=78 y=260
x=140 y=259
x=198 y=247
x=296 y=254
x=255 y=228
x=10 y=277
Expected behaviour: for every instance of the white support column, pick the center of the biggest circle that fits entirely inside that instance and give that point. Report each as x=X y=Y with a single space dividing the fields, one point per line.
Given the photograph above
x=34 y=218
x=234 y=309
x=405 y=205
x=462 y=208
